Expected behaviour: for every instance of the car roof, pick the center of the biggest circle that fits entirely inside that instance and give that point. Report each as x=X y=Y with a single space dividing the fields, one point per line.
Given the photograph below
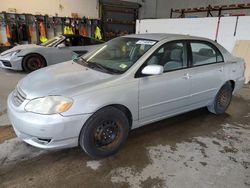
x=162 y=36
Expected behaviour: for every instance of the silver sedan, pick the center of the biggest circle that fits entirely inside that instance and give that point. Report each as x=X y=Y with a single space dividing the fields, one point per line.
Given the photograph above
x=94 y=101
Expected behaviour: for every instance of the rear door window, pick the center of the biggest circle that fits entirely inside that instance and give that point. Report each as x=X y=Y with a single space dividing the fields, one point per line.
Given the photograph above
x=204 y=54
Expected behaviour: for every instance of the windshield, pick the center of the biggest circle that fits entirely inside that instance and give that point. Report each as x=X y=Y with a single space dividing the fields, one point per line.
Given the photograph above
x=118 y=55
x=52 y=42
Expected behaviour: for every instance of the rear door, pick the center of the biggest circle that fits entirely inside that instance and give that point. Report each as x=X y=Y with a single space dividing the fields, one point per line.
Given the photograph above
x=168 y=93
x=207 y=72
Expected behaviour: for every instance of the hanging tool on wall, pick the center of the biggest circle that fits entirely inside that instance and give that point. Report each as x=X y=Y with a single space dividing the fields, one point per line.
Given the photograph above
x=236 y=26
x=67 y=28
x=75 y=27
x=11 y=31
x=98 y=31
x=22 y=30
x=42 y=31
x=217 y=29
x=98 y=34
x=84 y=30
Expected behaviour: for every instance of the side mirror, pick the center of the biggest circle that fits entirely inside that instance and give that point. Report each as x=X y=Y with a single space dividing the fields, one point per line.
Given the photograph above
x=153 y=70
x=62 y=45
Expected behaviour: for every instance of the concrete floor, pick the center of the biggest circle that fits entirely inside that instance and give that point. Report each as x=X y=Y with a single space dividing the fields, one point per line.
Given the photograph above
x=197 y=149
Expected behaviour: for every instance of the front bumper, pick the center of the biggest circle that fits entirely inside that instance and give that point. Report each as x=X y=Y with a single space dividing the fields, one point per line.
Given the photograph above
x=13 y=63
x=45 y=131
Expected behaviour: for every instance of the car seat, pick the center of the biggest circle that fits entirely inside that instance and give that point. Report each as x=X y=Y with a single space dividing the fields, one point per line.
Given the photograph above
x=206 y=52
x=176 y=60
x=153 y=61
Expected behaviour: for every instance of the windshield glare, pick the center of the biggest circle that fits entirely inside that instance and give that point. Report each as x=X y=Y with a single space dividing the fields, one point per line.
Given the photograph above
x=119 y=54
x=52 y=42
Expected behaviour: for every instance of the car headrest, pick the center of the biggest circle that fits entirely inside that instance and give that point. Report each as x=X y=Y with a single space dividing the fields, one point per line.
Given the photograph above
x=206 y=52
x=176 y=55
x=153 y=61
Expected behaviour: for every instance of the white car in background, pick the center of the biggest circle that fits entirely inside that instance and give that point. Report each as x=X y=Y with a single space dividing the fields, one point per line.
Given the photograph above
x=56 y=50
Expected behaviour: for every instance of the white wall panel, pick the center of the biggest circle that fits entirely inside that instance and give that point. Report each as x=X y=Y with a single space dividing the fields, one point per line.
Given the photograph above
x=243 y=29
x=226 y=32
x=202 y=27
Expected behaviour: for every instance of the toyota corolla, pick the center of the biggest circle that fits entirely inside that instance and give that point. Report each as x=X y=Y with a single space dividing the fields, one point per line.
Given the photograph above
x=94 y=101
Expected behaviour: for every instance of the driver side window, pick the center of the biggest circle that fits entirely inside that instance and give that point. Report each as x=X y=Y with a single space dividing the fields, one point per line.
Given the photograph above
x=68 y=42
x=171 y=56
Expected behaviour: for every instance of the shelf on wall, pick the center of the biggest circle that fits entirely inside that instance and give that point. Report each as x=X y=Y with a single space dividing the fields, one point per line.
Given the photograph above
x=210 y=9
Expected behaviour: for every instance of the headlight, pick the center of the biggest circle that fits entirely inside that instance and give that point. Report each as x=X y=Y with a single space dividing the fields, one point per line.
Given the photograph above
x=11 y=54
x=15 y=52
x=49 y=105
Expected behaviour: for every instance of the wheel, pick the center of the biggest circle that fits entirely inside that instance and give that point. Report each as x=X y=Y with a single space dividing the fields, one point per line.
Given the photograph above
x=33 y=62
x=222 y=99
x=104 y=133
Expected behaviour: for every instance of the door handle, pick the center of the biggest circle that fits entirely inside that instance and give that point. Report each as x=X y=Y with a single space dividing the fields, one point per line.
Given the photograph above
x=187 y=76
x=221 y=69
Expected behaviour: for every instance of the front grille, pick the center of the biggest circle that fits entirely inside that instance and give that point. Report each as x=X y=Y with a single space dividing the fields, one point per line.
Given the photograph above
x=18 y=96
x=6 y=64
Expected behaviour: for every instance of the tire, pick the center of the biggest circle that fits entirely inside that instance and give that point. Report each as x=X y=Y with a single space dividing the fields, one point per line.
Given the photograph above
x=33 y=62
x=104 y=133
x=222 y=99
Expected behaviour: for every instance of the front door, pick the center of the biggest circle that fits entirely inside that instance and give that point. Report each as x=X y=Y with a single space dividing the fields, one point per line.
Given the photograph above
x=164 y=95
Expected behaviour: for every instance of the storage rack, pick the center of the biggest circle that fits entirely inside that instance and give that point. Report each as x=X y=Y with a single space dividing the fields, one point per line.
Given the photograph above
x=209 y=10
x=16 y=18
x=34 y=19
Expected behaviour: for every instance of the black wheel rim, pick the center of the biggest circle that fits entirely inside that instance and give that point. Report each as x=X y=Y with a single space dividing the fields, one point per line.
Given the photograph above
x=106 y=134
x=34 y=64
x=224 y=99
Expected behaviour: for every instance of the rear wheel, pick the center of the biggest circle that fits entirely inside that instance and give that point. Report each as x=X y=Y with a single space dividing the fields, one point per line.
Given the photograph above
x=222 y=99
x=104 y=133
x=33 y=62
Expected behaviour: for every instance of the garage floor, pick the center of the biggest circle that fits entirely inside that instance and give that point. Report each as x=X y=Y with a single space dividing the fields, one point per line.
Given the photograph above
x=197 y=149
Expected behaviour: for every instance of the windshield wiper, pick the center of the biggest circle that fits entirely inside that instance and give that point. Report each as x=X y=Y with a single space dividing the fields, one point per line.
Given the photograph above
x=81 y=60
x=94 y=65
x=99 y=66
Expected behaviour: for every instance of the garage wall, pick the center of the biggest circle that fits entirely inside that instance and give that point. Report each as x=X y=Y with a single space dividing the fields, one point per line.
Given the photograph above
x=51 y=7
x=148 y=9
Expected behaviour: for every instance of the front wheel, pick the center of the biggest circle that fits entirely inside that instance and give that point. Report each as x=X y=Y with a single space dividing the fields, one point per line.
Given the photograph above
x=33 y=62
x=104 y=133
x=222 y=99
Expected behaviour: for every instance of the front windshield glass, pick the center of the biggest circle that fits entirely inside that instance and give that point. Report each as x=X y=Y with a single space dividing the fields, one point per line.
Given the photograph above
x=118 y=55
x=52 y=42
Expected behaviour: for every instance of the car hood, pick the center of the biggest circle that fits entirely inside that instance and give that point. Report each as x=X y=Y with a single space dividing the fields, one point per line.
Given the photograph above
x=21 y=47
x=62 y=79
